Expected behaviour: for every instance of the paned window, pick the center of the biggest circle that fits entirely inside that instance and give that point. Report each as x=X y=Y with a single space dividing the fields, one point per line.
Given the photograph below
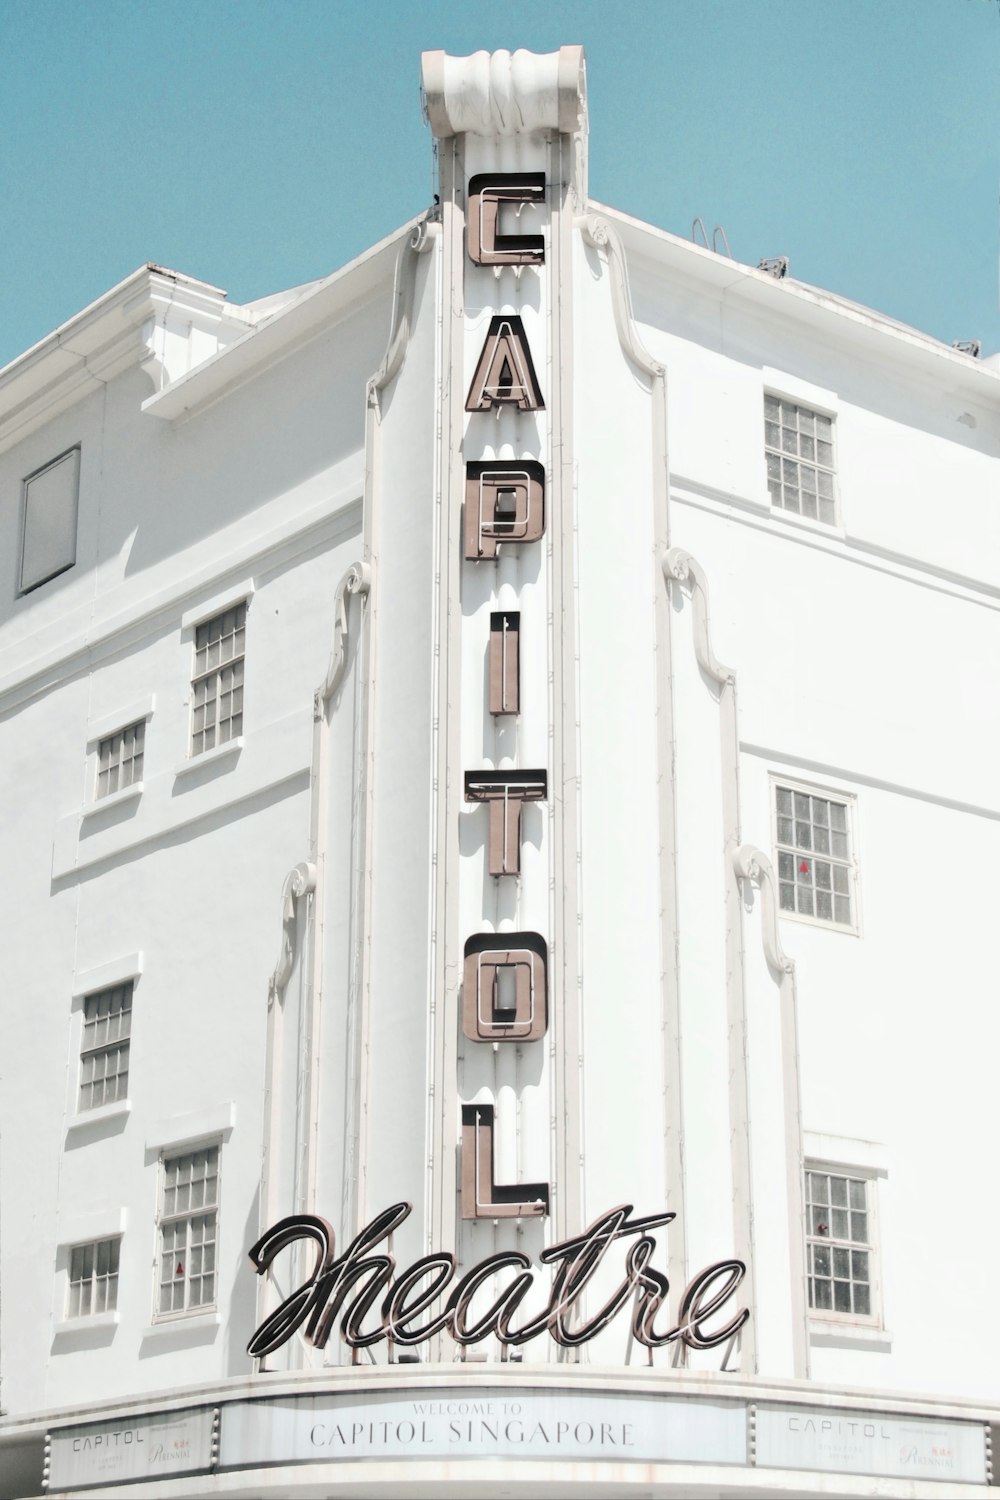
x=839 y=1244
x=119 y=759
x=217 y=686
x=93 y=1278
x=107 y=1026
x=48 y=538
x=188 y=1230
x=799 y=448
x=814 y=859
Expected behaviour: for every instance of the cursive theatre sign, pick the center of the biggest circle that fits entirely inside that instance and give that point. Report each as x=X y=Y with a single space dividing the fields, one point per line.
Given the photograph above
x=374 y=1302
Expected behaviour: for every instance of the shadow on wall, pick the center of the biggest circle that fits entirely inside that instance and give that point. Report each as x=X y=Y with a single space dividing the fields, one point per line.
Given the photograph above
x=296 y=420
x=231 y=814
x=243 y=1299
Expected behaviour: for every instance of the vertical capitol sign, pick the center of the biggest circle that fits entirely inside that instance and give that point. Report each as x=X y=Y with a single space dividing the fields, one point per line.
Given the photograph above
x=503 y=122
x=505 y=1143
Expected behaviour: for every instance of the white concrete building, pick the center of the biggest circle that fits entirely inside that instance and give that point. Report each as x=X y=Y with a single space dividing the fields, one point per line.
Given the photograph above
x=718 y=947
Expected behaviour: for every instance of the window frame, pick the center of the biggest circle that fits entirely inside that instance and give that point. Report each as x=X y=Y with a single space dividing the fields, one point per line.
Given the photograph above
x=105 y=727
x=110 y=1309
x=848 y=800
x=52 y=463
x=815 y=407
x=86 y=1111
x=831 y=1319
x=167 y=1154
x=135 y=781
x=204 y=622
x=126 y=968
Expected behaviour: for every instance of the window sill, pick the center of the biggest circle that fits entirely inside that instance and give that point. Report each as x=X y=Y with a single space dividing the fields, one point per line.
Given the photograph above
x=120 y=1109
x=824 y=926
x=182 y=1323
x=29 y=588
x=93 y=1323
x=113 y=799
x=807 y=523
x=229 y=751
x=833 y=1335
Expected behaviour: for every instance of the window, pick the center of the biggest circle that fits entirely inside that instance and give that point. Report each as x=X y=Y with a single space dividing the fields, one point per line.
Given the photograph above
x=799 y=448
x=93 y=1278
x=119 y=759
x=219 y=646
x=188 y=1228
x=815 y=871
x=107 y=1026
x=48 y=537
x=839 y=1243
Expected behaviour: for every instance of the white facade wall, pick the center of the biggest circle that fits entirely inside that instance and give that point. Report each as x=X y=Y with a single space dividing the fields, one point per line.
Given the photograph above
x=258 y=498
x=685 y=647
x=857 y=650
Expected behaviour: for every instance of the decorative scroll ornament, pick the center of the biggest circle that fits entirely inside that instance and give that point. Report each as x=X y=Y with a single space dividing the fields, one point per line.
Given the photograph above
x=599 y=233
x=357 y=580
x=504 y=93
x=680 y=567
x=359 y=1286
x=753 y=865
x=298 y=883
x=404 y=282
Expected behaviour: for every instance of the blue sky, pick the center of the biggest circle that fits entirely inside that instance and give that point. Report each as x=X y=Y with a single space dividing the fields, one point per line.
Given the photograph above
x=257 y=145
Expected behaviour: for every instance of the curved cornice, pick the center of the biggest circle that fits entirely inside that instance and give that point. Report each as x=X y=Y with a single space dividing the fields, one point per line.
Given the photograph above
x=600 y=234
x=357 y=580
x=680 y=567
x=752 y=864
x=298 y=883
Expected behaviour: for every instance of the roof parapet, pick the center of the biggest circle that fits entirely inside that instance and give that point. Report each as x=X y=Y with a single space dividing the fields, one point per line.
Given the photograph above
x=155 y=317
x=810 y=306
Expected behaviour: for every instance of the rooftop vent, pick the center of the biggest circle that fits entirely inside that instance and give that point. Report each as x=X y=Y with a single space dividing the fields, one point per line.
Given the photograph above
x=775 y=265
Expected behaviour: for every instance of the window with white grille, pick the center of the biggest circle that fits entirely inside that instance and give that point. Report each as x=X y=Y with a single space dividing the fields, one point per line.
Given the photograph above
x=815 y=865
x=217 y=685
x=93 y=1278
x=798 y=444
x=188 y=1227
x=840 y=1243
x=119 y=759
x=104 y=1052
